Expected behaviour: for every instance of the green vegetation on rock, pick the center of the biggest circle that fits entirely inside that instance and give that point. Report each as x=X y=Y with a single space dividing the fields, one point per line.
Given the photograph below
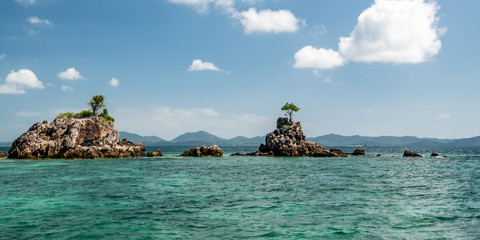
x=290 y=108
x=96 y=104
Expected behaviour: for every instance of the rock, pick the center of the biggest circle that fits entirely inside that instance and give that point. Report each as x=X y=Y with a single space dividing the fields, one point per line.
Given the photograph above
x=339 y=152
x=261 y=154
x=156 y=153
x=379 y=155
x=289 y=140
x=85 y=138
x=411 y=154
x=212 y=151
x=3 y=154
x=434 y=155
x=358 y=152
x=283 y=121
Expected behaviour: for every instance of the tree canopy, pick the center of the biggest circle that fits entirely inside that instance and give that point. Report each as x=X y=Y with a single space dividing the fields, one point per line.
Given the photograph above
x=290 y=108
x=96 y=103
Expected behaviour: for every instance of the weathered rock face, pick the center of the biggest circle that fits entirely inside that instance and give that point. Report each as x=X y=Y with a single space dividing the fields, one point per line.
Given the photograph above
x=3 y=154
x=156 y=153
x=73 y=138
x=411 y=154
x=212 y=151
x=358 y=152
x=289 y=140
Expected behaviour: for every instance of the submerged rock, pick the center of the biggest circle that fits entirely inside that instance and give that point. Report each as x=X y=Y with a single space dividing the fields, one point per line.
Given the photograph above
x=156 y=153
x=73 y=138
x=212 y=151
x=3 y=154
x=289 y=140
x=358 y=152
x=411 y=154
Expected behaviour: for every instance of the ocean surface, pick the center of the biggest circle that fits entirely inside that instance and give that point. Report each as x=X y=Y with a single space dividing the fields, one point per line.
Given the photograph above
x=388 y=197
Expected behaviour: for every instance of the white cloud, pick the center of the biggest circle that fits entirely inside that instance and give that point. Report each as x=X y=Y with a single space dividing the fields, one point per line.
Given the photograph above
x=26 y=2
x=394 y=31
x=390 y=31
x=253 y=21
x=66 y=88
x=70 y=74
x=17 y=82
x=199 y=65
x=310 y=57
x=203 y=5
x=114 y=82
x=38 y=21
x=171 y=122
x=443 y=116
x=3 y=55
x=28 y=114
x=268 y=21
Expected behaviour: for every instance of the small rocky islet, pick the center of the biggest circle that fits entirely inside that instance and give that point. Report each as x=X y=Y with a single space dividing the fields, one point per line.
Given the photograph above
x=74 y=138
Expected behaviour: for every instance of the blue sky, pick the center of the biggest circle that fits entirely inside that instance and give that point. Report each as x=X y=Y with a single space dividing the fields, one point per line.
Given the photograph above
x=384 y=67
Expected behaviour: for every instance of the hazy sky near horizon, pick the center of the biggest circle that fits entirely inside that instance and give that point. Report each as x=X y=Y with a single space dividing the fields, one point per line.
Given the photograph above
x=366 y=67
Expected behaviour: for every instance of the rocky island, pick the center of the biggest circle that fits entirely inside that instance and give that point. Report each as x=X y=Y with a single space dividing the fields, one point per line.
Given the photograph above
x=85 y=135
x=288 y=140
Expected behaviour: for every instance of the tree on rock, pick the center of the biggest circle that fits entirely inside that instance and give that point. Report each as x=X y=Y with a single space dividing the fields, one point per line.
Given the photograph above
x=97 y=103
x=290 y=108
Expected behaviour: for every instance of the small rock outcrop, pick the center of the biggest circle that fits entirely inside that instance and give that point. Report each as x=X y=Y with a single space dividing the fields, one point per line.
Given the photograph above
x=411 y=154
x=212 y=151
x=434 y=155
x=85 y=138
x=358 y=152
x=156 y=153
x=288 y=140
x=3 y=154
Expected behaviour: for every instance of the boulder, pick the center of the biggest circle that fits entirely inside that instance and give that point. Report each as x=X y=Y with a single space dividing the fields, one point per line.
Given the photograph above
x=3 y=154
x=212 y=151
x=411 y=154
x=85 y=138
x=289 y=140
x=260 y=154
x=434 y=155
x=358 y=152
x=156 y=153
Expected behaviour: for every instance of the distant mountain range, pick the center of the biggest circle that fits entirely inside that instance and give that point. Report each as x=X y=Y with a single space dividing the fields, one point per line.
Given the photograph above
x=204 y=138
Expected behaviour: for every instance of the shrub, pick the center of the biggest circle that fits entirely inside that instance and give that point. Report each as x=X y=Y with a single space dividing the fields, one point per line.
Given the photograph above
x=44 y=122
x=67 y=115
x=83 y=114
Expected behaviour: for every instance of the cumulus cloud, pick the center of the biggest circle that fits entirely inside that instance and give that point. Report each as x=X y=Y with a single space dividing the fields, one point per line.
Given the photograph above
x=26 y=2
x=3 y=55
x=199 y=65
x=172 y=122
x=70 y=74
x=114 y=82
x=390 y=31
x=38 y=21
x=66 y=88
x=310 y=57
x=253 y=21
x=268 y=21
x=394 y=31
x=17 y=82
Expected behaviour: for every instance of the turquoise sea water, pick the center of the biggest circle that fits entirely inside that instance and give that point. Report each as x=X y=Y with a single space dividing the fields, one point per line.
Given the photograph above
x=244 y=197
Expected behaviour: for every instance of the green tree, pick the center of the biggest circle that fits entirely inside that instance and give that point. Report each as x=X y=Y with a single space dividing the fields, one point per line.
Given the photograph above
x=290 y=108
x=97 y=103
